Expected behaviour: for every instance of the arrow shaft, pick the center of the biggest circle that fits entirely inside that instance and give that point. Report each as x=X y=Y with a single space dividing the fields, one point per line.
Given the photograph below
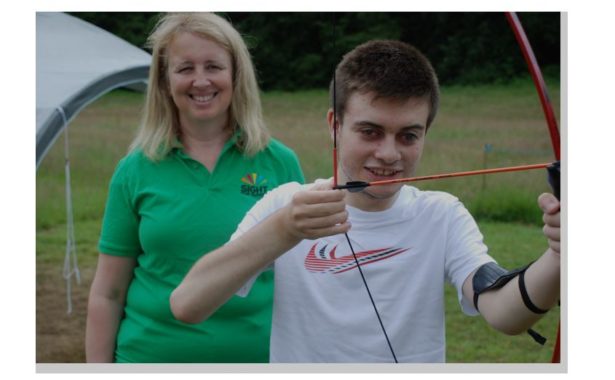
x=452 y=175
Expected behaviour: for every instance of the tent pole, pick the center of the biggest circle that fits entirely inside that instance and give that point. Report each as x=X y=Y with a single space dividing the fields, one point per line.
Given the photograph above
x=70 y=259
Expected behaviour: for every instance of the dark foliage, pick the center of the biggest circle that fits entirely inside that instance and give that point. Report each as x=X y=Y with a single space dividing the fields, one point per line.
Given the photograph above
x=299 y=50
x=134 y=27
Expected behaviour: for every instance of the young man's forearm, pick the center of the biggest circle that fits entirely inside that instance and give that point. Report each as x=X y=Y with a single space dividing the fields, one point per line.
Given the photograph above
x=504 y=308
x=220 y=274
x=317 y=212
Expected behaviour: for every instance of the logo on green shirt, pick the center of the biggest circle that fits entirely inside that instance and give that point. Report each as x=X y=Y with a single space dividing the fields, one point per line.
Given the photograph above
x=255 y=185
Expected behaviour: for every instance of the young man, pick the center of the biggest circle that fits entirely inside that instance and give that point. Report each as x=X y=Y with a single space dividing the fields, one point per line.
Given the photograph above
x=408 y=242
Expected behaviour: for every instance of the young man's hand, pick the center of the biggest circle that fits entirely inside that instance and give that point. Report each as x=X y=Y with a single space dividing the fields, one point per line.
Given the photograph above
x=317 y=212
x=551 y=216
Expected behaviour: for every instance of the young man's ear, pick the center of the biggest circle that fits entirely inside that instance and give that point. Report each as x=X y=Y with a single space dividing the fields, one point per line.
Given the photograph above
x=330 y=122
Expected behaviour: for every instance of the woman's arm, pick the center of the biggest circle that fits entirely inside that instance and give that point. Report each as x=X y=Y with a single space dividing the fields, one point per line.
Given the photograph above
x=106 y=306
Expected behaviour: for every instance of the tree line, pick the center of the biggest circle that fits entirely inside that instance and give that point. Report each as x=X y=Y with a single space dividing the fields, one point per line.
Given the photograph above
x=298 y=50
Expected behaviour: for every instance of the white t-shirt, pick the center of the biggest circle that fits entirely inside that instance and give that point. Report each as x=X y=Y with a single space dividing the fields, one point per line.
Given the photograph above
x=322 y=312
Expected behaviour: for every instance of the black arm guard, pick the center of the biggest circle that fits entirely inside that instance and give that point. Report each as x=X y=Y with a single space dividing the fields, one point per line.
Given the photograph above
x=491 y=276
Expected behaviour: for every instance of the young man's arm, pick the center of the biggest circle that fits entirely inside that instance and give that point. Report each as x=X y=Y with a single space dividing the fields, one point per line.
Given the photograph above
x=504 y=308
x=218 y=275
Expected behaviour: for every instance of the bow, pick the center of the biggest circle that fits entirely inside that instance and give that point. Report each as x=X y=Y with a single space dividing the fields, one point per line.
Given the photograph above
x=547 y=108
x=552 y=168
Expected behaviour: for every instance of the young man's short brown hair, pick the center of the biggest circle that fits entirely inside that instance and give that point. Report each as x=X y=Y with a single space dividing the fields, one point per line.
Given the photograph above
x=389 y=69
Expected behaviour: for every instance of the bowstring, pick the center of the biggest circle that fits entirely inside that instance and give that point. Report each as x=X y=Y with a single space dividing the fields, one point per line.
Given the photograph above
x=369 y=293
x=356 y=260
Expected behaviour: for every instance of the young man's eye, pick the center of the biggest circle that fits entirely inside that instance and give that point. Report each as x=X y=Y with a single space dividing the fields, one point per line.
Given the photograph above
x=369 y=133
x=408 y=138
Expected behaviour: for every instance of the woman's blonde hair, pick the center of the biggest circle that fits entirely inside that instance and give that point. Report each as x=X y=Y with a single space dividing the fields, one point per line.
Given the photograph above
x=160 y=122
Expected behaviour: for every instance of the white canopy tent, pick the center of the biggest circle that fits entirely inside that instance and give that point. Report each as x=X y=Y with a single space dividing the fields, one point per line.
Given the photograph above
x=77 y=62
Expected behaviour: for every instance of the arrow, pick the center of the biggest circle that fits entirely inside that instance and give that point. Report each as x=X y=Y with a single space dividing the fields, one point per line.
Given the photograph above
x=357 y=186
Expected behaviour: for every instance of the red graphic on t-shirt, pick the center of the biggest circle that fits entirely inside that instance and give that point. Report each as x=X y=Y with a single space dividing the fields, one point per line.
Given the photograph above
x=326 y=262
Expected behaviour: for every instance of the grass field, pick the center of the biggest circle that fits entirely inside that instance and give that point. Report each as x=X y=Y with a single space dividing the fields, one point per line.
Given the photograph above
x=507 y=117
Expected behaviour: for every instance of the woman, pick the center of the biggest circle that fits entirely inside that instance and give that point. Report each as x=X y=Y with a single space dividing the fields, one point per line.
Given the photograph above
x=201 y=159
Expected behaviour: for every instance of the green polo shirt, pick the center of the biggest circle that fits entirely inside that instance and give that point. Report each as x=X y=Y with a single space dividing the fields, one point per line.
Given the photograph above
x=167 y=215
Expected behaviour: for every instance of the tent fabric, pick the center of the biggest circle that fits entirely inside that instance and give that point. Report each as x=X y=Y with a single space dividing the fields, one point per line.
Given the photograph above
x=76 y=63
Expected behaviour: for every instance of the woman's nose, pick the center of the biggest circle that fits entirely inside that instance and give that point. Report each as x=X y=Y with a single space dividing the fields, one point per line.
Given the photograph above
x=201 y=79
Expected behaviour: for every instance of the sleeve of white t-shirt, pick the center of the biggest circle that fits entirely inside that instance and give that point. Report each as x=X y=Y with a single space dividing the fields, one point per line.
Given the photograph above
x=271 y=202
x=466 y=252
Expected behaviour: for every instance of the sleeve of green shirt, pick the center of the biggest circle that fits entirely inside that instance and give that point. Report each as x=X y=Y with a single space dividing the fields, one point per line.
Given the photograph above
x=290 y=163
x=296 y=174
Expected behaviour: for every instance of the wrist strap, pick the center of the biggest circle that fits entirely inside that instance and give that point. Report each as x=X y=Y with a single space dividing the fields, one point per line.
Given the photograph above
x=526 y=298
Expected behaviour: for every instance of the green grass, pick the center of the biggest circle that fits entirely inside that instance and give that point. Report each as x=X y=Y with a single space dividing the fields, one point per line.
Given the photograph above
x=508 y=117
x=98 y=137
x=299 y=120
x=470 y=339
